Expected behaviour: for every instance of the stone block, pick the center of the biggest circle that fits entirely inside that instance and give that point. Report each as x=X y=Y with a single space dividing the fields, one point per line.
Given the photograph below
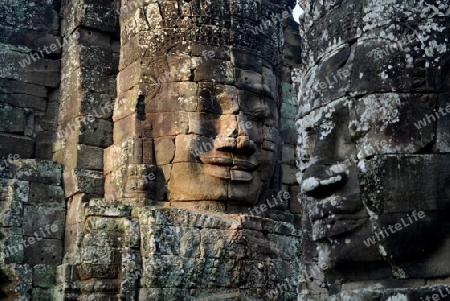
x=289 y=174
x=13 y=195
x=169 y=124
x=28 y=38
x=96 y=133
x=23 y=100
x=295 y=205
x=130 y=52
x=130 y=127
x=84 y=79
x=443 y=124
x=44 y=18
x=22 y=89
x=248 y=80
x=11 y=144
x=44 y=251
x=221 y=71
x=189 y=146
x=89 y=157
x=93 y=57
x=40 y=171
x=102 y=18
x=270 y=84
x=49 y=120
x=164 y=150
x=42 y=72
x=86 y=36
x=166 y=240
x=44 y=222
x=12 y=119
x=83 y=181
x=246 y=60
x=127 y=103
x=129 y=77
x=44 y=194
x=16 y=280
x=86 y=103
x=118 y=155
x=12 y=245
x=44 y=145
x=180 y=67
x=175 y=96
x=86 y=130
x=132 y=233
x=44 y=276
x=135 y=180
x=99 y=262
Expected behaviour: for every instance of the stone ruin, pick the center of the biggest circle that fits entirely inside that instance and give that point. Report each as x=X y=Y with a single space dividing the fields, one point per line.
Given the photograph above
x=219 y=150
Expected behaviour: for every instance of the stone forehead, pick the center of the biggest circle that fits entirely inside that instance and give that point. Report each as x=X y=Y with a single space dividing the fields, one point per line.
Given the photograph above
x=239 y=24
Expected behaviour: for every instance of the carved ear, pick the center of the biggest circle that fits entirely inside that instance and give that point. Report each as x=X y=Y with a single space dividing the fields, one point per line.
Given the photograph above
x=149 y=87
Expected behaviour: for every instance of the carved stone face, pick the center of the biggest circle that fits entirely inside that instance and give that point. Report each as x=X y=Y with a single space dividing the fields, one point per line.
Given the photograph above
x=214 y=117
x=374 y=147
x=230 y=149
x=349 y=194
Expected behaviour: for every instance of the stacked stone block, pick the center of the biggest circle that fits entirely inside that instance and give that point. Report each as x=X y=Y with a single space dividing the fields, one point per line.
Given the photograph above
x=89 y=66
x=29 y=77
x=32 y=208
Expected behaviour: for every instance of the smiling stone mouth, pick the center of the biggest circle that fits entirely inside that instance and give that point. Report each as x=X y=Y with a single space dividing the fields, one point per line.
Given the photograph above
x=228 y=162
x=335 y=205
x=228 y=172
x=334 y=226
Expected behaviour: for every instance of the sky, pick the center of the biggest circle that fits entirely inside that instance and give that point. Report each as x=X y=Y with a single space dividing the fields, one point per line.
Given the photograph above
x=297 y=11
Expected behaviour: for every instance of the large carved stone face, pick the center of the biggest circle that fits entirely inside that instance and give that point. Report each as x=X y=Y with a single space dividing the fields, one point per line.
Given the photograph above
x=374 y=154
x=215 y=115
x=229 y=150
x=354 y=185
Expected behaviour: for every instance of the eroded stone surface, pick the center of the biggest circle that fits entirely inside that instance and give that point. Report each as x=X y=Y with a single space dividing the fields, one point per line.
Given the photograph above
x=371 y=134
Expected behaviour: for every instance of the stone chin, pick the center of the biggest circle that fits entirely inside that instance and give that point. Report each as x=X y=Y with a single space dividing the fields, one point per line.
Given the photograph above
x=192 y=182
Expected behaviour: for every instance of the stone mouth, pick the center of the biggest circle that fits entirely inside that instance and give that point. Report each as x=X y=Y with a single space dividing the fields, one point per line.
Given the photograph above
x=340 y=206
x=227 y=162
x=334 y=226
x=228 y=172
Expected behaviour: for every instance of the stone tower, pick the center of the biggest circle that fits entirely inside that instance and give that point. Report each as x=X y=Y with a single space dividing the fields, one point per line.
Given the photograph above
x=148 y=150
x=374 y=150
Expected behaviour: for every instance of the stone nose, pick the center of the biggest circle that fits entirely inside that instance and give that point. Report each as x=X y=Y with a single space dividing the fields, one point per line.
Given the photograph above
x=240 y=144
x=234 y=136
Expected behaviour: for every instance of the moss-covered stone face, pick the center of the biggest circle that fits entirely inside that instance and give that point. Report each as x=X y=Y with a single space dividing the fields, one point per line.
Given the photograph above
x=371 y=133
